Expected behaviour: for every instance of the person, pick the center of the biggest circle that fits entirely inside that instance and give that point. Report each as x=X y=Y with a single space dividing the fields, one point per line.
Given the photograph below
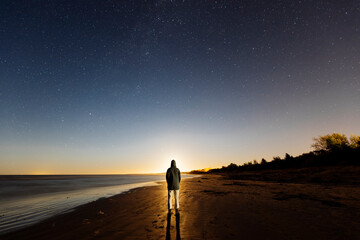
x=173 y=178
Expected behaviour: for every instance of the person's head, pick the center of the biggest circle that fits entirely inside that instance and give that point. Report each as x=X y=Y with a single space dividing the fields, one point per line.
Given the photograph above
x=173 y=163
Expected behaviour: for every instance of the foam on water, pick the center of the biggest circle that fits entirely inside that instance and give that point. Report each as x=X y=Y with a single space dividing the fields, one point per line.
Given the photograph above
x=27 y=201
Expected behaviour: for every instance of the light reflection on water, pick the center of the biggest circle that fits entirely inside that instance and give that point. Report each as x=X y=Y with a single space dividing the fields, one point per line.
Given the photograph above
x=23 y=210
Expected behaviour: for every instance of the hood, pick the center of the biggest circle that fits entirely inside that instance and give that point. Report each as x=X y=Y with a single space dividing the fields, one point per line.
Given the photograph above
x=173 y=163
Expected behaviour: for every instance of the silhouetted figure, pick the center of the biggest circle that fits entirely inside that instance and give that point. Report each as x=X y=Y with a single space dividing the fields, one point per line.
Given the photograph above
x=173 y=179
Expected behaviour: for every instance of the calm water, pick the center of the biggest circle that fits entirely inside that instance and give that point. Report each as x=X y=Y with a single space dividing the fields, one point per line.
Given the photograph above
x=25 y=200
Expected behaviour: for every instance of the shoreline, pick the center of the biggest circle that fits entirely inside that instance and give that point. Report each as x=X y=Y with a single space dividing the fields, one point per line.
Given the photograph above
x=33 y=231
x=32 y=209
x=212 y=207
x=56 y=213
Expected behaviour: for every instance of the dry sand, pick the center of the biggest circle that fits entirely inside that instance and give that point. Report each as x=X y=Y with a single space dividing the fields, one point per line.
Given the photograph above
x=213 y=207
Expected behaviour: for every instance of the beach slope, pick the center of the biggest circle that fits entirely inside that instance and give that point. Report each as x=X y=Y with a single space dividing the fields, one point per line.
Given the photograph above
x=212 y=207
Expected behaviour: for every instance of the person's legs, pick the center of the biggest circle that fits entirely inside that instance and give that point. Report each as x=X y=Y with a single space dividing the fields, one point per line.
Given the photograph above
x=170 y=199
x=177 y=199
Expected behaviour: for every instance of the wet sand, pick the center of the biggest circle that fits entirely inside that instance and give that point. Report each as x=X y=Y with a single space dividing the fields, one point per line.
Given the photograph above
x=213 y=207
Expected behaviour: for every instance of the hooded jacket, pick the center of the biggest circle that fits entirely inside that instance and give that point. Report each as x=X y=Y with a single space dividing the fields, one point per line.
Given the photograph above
x=173 y=177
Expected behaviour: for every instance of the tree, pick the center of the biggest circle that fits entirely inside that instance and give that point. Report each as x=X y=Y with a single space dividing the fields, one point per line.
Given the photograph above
x=248 y=164
x=232 y=166
x=354 y=141
x=288 y=157
x=263 y=161
x=330 y=142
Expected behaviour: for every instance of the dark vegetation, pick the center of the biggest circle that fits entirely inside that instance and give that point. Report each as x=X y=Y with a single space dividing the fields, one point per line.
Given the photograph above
x=335 y=159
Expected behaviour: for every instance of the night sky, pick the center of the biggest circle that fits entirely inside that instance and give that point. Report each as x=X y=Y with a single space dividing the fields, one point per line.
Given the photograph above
x=125 y=86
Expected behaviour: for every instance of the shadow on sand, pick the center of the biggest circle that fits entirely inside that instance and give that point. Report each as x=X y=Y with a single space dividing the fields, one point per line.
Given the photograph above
x=177 y=217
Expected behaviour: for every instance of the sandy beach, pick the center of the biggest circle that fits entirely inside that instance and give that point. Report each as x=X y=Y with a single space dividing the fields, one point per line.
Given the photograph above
x=212 y=207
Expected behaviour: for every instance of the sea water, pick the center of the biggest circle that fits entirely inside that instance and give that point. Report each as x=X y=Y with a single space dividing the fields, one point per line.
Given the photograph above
x=25 y=200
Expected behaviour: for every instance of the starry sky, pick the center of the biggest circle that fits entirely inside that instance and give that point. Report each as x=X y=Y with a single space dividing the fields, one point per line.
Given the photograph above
x=126 y=86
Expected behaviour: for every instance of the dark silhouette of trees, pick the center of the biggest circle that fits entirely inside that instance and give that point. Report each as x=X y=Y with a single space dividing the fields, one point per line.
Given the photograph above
x=288 y=157
x=232 y=167
x=330 y=150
